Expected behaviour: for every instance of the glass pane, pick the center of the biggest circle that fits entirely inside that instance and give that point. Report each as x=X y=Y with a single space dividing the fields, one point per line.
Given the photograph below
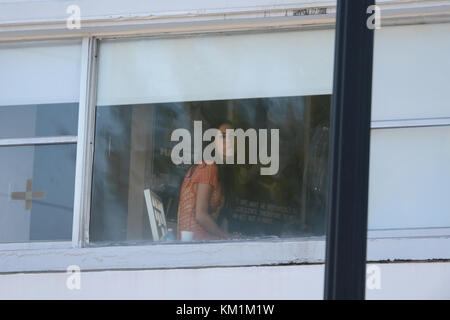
x=410 y=178
x=212 y=137
x=36 y=192
x=409 y=165
x=39 y=120
x=133 y=152
x=415 y=58
x=165 y=109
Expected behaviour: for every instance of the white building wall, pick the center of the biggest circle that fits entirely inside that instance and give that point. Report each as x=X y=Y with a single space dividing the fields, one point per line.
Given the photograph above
x=396 y=281
x=415 y=280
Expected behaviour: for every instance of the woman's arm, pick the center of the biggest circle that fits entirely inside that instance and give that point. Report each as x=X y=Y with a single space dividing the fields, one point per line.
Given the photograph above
x=202 y=216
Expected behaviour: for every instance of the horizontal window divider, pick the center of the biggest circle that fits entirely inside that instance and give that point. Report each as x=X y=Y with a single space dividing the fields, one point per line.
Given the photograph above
x=410 y=123
x=409 y=233
x=37 y=141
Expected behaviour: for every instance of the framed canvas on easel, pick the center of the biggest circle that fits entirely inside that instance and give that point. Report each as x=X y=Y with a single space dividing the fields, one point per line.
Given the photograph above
x=155 y=209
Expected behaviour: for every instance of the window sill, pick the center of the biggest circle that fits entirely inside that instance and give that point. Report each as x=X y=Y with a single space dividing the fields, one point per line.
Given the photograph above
x=214 y=254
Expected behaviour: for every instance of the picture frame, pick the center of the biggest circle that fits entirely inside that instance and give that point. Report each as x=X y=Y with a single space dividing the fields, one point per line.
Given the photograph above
x=155 y=210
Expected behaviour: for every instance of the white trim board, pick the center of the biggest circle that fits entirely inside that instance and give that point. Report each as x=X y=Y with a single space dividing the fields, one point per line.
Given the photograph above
x=409 y=233
x=395 y=281
x=408 y=123
x=114 y=17
x=221 y=254
x=52 y=11
x=85 y=146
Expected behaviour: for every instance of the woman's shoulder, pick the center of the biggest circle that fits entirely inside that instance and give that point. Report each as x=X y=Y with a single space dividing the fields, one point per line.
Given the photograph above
x=207 y=167
x=206 y=172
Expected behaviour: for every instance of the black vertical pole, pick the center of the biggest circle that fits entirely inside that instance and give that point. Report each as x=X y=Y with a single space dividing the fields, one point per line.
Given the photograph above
x=345 y=262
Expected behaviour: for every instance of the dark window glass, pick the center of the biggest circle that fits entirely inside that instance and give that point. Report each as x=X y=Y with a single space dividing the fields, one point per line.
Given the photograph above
x=133 y=151
x=41 y=120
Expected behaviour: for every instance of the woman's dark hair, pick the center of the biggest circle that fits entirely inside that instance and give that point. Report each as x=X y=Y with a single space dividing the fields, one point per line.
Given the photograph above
x=218 y=124
x=222 y=170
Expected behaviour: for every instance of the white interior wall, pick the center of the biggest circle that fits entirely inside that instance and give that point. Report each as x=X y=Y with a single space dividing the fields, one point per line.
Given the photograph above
x=215 y=67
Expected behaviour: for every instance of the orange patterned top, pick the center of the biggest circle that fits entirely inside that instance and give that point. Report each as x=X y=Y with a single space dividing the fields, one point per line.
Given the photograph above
x=201 y=173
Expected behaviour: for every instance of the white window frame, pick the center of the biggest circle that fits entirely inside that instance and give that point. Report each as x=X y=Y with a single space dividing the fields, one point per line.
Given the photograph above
x=36 y=141
x=56 y=256
x=85 y=146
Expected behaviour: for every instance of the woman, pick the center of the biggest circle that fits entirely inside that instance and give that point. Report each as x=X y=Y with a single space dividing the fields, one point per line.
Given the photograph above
x=201 y=199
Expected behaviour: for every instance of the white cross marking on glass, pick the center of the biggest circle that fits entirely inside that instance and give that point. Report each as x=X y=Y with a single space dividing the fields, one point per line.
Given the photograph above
x=29 y=195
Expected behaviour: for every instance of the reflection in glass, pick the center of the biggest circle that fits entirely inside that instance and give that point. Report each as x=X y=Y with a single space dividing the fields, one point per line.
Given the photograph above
x=36 y=192
x=133 y=153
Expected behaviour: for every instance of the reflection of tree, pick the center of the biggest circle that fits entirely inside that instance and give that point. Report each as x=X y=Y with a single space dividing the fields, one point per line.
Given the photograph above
x=284 y=114
x=56 y=119
x=117 y=139
x=316 y=177
x=285 y=188
x=110 y=180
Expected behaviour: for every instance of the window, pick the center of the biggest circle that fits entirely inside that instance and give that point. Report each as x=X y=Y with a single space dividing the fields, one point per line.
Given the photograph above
x=39 y=90
x=273 y=84
x=410 y=150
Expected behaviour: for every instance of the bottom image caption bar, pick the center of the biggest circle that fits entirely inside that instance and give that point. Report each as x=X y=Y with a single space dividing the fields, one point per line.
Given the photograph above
x=227 y=309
